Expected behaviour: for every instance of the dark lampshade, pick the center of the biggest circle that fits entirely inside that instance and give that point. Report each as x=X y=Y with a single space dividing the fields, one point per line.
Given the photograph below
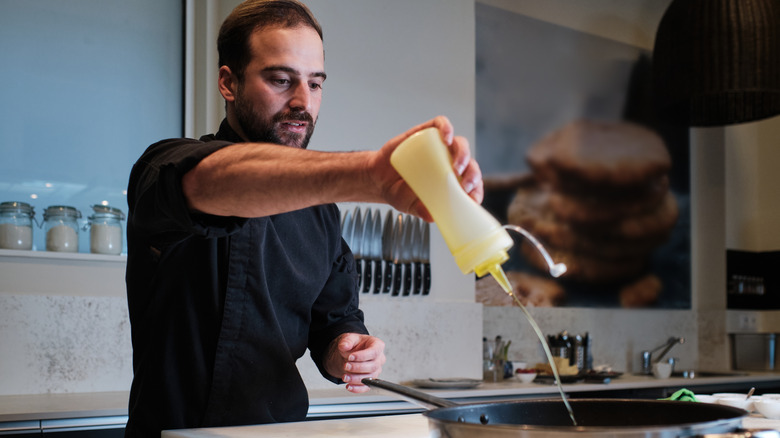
x=717 y=62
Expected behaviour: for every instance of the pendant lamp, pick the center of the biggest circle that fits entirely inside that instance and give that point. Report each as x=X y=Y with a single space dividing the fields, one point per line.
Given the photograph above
x=717 y=62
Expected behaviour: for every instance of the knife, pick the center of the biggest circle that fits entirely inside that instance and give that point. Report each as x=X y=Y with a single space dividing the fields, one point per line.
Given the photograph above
x=356 y=243
x=344 y=216
x=398 y=229
x=346 y=228
x=376 y=251
x=365 y=251
x=417 y=247
x=406 y=254
x=426 y=258
x=387 y=252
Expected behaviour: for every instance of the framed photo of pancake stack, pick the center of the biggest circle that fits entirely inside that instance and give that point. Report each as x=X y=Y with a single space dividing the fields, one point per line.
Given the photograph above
x=572 y=151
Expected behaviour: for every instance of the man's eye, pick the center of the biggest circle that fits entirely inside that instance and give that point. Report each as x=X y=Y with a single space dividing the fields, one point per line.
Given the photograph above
x=315 y=86
x=280 y=81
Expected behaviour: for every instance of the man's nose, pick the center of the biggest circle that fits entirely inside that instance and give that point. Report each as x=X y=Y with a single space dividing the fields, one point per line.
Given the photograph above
x=301 y=97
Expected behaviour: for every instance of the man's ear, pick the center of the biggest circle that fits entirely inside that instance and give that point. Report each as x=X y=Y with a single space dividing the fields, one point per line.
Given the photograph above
x=228 y=84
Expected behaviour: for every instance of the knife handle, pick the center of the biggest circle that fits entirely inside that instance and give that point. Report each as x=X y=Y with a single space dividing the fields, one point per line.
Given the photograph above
x=426 y=278
x=366 y=276
x=417 y=286
x=396 y=279
x=387 y=282
x=407 y=278
x=359 y=270
x=377 y=276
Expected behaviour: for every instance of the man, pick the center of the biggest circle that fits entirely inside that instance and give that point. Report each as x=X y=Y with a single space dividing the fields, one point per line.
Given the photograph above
x=236 y=263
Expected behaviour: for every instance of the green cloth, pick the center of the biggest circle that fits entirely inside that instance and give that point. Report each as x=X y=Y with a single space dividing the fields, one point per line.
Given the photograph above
x=682 y=395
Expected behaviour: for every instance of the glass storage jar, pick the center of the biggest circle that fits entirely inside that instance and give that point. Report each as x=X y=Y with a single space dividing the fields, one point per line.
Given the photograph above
x=105 y=235
x=16 y=228
x=62 y=228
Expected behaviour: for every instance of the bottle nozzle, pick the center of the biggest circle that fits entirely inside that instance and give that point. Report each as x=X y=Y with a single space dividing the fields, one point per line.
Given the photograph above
x=492 y=266
x=498 y=273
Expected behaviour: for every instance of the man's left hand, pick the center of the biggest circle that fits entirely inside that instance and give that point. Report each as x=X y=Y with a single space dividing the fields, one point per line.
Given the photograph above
x=354 y=357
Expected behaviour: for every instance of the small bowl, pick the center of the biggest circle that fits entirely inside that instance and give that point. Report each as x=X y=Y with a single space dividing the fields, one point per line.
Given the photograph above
x=526 y=377
x=768 y=407
x=519 y=365
x=736 y=402
x=662 y=370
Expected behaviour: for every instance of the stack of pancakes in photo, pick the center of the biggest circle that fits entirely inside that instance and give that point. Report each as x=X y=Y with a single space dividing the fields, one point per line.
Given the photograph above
x=598 y=201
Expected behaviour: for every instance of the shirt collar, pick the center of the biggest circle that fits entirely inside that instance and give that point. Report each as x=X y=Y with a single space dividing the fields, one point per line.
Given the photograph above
x=227 y=133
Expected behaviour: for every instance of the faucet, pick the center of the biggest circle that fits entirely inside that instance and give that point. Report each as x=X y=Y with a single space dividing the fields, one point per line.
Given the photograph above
x=647 y=356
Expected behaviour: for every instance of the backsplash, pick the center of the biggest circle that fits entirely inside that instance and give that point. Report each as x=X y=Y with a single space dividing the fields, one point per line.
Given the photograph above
x=64 y=324
x=66 y=344
x=422 y=339
x=58 y=344
x=618 y=336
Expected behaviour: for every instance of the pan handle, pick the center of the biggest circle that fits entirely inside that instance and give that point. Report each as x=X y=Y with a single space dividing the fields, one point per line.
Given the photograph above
x=417 y=397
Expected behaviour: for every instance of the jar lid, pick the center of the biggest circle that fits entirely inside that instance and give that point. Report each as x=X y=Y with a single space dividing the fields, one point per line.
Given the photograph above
x=17 y=207
x=61 y=210
x=107 y=210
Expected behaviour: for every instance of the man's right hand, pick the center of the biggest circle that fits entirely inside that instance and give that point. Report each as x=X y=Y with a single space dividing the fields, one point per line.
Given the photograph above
x=397 y=193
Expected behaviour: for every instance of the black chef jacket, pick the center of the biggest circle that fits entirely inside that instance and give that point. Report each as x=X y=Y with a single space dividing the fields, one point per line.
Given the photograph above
x=222 y=307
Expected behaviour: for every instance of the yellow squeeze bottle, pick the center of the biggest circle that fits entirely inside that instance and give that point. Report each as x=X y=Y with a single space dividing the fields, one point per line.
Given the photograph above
x=475 y=238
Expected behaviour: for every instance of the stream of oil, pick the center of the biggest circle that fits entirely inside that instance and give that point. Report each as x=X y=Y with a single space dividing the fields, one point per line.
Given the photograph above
x=549 y=356
x=555 y=270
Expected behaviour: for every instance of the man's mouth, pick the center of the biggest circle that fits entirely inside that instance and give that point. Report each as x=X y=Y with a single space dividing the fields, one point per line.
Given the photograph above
x=295 y=126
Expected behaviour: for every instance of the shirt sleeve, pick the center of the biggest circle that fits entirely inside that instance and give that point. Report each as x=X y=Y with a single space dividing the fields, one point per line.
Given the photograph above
x=336 y=310
x=157 y=206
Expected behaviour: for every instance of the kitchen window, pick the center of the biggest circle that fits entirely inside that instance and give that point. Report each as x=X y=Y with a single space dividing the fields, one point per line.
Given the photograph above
x=87 y=85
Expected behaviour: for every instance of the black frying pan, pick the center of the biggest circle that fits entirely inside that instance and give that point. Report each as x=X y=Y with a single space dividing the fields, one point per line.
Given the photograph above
x=549 y=418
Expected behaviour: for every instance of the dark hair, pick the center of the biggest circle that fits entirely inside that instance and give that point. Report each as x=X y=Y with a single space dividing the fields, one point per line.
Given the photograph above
x=233 y=39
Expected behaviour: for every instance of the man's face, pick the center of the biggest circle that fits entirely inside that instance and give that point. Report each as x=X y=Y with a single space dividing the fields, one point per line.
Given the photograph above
x=279 y=99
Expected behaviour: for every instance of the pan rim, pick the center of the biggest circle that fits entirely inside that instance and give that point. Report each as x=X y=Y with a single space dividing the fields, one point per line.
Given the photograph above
x=732 y=417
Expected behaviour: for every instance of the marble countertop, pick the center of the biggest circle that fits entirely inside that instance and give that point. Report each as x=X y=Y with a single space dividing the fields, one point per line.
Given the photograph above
x=388 y=426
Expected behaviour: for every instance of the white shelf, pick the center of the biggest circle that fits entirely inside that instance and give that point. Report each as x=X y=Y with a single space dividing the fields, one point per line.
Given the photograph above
x=61 y=274
x=56 y=257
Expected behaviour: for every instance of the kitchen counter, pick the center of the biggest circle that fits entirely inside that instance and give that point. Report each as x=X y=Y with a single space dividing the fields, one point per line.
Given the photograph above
x=337 y=401
x=43 y=409
x=58 y=412
x=62 y=406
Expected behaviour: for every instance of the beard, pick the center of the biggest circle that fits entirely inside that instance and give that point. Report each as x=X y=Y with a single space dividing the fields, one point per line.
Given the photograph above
x=259 y=129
